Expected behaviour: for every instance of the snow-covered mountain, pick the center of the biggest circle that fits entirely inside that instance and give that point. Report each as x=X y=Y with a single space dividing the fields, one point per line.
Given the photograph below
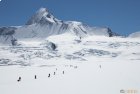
x=43 y=24
x=42 y=16
x=135 y=35
x=56 y=57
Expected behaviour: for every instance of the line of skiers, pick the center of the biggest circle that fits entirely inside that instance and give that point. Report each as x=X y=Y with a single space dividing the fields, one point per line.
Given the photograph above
x=49 y=75
x=35 y=76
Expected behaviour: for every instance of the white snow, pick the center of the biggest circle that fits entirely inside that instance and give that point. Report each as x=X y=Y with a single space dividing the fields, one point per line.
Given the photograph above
x=91 y=65
x=84 y=59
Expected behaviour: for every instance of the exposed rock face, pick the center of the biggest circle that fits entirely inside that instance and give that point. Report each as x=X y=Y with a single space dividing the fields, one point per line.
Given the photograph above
x=7 y=30
x=7 y=34
x=49 y=45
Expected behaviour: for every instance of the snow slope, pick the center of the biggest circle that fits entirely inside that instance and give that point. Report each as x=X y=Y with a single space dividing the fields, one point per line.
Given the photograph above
x=88 y=78
x=91 y=65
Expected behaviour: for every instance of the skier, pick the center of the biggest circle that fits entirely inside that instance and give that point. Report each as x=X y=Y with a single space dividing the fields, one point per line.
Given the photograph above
x=63 y=72
x=49 y=75
x=54 y=73
x=100 y=66
x=19 y=79
x=35 y=77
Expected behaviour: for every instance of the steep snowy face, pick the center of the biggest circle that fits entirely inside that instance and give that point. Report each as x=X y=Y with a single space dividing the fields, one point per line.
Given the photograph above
x=42 y=16
x=43 y=24
x=135 y=35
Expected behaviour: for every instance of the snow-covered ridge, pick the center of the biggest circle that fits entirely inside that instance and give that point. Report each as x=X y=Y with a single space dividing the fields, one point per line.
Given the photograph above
x=135 y=35
x=43 y=24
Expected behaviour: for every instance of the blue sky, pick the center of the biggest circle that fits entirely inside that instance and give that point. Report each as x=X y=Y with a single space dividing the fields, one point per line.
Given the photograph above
x=122 y=16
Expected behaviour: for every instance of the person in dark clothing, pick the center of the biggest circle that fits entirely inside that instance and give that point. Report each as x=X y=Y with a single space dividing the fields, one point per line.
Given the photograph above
x=63 y=72
x=100 y=66
x=54 y=73
x=35 y=77
x=49 y=75
x=19 y=79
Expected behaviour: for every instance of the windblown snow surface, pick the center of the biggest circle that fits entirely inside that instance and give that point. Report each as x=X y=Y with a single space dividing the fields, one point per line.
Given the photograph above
x=91 y=65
